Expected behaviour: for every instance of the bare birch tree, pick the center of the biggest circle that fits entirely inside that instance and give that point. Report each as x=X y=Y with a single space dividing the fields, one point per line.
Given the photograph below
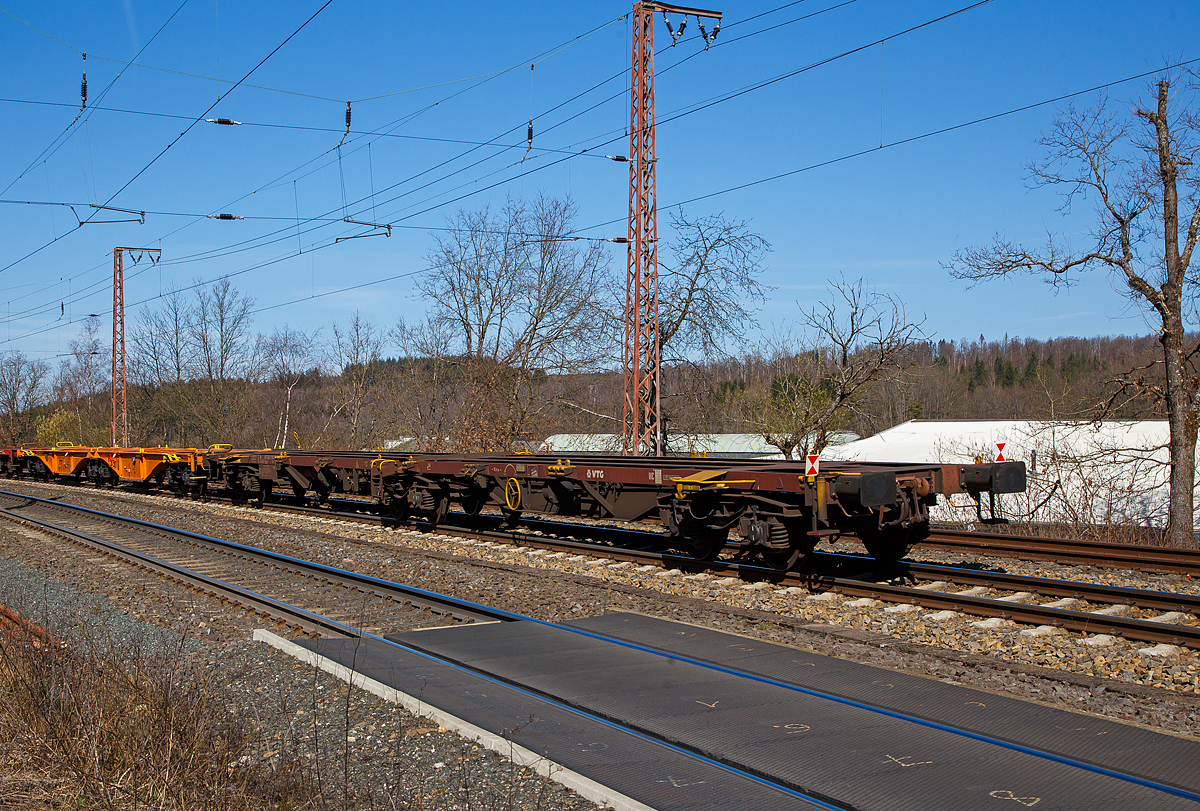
x=287 y=355
x=1138 y=169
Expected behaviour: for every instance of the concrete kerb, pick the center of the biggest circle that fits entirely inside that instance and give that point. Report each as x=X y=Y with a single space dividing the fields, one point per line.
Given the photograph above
x=584 y=786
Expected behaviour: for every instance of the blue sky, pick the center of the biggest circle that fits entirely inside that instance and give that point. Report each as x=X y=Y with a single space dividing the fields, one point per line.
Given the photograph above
x=892 y=215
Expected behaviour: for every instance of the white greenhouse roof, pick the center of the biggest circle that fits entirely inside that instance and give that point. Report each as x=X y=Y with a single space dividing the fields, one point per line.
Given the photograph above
x=745 y=446
x=1111 y=472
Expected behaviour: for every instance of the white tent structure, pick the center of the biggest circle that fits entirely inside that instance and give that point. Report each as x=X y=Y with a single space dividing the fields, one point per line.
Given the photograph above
x=1113 y=472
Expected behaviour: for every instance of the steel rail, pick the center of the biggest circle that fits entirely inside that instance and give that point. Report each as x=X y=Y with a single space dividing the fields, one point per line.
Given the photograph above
x=1050 y=587
x=1029 y=613
x=1150 y=559
x=300 y=618
x=1066 y=550
x=1082 y=621
x=459 y=609
x=258 y=603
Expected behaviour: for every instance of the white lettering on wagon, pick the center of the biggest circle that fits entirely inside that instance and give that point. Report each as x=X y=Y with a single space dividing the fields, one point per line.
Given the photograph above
x=595 y=474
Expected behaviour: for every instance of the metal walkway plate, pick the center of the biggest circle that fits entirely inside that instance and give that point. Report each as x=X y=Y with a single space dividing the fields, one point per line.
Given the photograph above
x=888 y=755
x=1100 y=742
x=631 y=765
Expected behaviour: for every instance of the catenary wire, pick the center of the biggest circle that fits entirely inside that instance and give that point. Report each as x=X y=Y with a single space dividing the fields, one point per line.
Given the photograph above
x=697 y=108
x=404 y=119
x=84 y=114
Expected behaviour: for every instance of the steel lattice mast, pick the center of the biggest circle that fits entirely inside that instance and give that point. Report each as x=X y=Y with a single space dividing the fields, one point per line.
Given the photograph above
x=119 y=394
x=643 y=428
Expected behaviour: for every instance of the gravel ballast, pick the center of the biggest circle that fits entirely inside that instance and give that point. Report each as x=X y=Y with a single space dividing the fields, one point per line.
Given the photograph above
x=358 y=750
x=1117 y=681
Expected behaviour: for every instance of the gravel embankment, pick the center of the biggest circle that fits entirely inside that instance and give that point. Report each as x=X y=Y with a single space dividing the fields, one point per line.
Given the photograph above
x=1116 y=680
x=356 y=747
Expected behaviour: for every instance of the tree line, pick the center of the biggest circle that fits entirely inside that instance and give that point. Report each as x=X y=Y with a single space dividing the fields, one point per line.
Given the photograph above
x=523 y=330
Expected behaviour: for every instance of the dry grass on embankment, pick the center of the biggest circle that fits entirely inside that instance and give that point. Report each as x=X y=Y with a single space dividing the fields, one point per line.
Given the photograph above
x=92 y=728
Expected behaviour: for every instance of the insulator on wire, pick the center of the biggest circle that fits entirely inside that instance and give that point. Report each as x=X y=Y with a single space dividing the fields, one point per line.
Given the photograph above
x=529 y=138
x=675 y=35
x=346 y=134
x=83 y=87
x=224 y=217
x=225 y=122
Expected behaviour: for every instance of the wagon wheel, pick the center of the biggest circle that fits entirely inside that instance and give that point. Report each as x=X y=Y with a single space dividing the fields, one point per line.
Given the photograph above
x=400 y=509
x=473 y=504
x=892 y=544
x=782 y=559
x=706 y=543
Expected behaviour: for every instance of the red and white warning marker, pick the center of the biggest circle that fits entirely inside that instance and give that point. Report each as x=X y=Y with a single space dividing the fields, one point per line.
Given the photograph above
x=1000 y=451
x=813 y=468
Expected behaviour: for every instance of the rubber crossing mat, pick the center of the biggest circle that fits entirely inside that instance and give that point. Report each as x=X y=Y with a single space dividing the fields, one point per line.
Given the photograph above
x=843 y=750
x=1108 y=744
x=638 y=768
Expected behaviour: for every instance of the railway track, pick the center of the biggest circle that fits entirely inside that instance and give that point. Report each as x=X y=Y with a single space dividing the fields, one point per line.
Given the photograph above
x=1066 y=550
x=1135 y=557
x=1136 y=614
x=1045 y=603
x=304 y=595
x=1150 y=559
x=309 y=596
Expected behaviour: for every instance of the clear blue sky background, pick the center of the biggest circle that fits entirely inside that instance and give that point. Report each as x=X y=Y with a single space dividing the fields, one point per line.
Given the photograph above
x=891 y=215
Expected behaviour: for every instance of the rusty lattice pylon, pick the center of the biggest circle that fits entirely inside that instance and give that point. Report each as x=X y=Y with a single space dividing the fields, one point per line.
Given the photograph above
x=643 y=426
x=120 y=398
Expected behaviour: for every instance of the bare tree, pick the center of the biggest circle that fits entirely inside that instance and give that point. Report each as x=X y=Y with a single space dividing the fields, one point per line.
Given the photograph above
x=428 y=386
x=287 y=355
x=706 y=290
x=522 y=300
x=1133 y=167
x=353 y=351
x=160 y=350
x=705 y=294
x=22 y=386
x=82 y=378
x=220 y=333
x=854 y=339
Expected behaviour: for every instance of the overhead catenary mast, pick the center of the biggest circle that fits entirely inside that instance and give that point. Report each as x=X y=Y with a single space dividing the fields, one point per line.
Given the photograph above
x=643 y=429
x=120 y=398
